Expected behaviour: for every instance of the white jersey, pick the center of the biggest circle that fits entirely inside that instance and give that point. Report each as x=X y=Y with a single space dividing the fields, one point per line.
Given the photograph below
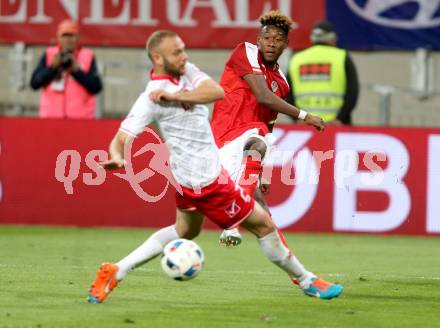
x=194 y=158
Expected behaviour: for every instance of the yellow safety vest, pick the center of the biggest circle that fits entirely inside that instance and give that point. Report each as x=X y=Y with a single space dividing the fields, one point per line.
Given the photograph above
x=319 y=80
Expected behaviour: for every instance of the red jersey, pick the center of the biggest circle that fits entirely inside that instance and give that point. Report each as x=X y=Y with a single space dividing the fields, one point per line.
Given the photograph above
x=239 y=110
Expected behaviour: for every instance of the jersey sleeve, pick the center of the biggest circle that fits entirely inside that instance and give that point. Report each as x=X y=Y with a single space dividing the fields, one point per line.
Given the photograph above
x=195 y=75
x=244 y=59
x=140 y=115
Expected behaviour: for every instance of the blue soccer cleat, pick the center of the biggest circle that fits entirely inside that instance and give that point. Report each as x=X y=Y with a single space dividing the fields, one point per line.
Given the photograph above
x=323 y=289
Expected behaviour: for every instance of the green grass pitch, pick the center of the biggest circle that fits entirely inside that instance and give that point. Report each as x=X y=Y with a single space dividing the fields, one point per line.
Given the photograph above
x=45 y=274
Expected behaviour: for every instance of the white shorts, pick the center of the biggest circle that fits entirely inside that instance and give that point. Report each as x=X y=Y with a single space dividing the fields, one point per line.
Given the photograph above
x=231 y=154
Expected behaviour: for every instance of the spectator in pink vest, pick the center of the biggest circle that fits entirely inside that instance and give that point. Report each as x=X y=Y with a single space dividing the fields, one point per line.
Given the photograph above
x=68 y=75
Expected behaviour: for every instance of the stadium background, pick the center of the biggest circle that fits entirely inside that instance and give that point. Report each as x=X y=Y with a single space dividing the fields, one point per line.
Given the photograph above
x=398 y=89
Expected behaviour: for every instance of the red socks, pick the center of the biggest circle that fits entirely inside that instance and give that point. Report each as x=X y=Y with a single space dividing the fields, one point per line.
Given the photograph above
x=250 y=174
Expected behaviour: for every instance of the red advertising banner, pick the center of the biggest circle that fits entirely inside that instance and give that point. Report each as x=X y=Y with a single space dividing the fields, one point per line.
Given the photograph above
x=202 y=24
x=363 y=180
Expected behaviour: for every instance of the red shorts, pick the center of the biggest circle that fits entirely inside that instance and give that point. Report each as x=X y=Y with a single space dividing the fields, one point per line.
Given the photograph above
x=223 y=202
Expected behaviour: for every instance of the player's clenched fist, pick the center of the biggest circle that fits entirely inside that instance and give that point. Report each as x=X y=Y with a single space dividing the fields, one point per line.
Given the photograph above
x=161 y=96
x=315 y=121
x=113 y=164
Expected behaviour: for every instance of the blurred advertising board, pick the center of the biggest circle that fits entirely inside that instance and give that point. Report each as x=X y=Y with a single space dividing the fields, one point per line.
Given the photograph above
x=386 y=24
x=360 y=24
x=201 y=23
x=346 y=179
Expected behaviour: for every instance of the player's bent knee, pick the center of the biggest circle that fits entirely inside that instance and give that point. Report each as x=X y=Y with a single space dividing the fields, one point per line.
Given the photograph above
x=188 y=224
x=259 y=222
x=255 y=145
x=266 y=229
x=261 y=230
x=189 y=233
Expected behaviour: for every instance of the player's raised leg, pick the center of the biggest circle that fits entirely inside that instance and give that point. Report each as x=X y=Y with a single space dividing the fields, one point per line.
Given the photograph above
x=271 y=243
x=188 y=226
x=259 y=197
x=254 y=150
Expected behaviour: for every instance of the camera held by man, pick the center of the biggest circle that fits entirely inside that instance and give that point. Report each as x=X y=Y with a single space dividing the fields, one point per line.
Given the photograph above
x=65 y=61
x=66 y=58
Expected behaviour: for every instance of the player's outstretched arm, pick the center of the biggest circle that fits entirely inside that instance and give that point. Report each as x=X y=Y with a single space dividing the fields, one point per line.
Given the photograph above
x=206 y=92
x=116 y=150
x=267 y=98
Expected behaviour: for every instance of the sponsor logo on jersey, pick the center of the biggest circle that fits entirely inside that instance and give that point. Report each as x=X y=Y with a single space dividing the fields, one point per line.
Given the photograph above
x=233 y=209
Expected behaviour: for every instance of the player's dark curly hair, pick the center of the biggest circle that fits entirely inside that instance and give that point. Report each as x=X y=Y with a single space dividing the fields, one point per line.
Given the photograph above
x=276 y=18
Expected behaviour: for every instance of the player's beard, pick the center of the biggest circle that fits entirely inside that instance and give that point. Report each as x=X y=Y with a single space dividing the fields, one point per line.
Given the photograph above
x=172 y=69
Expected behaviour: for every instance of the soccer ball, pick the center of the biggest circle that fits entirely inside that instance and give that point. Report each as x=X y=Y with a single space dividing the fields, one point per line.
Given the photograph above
x=182 y=259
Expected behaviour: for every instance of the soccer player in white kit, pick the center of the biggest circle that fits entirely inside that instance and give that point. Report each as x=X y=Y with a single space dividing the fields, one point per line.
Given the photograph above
x=173 y=99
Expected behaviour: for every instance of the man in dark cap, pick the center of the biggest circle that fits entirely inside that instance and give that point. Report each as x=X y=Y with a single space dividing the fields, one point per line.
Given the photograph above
x=323 y=78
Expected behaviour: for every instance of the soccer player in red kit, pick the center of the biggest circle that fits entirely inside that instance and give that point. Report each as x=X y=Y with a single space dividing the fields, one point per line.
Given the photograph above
x=174 y=98
x=255 y=89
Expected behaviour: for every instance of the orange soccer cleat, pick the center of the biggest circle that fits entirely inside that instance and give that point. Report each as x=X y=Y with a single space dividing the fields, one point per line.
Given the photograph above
x=104 y=283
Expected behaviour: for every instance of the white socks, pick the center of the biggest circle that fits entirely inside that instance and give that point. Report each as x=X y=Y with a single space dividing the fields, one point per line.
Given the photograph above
x=274 y=249
x=151 y=248
x=271 y=245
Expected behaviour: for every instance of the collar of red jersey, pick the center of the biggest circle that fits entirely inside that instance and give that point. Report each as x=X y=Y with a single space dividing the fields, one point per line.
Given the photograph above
x=171 y=78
